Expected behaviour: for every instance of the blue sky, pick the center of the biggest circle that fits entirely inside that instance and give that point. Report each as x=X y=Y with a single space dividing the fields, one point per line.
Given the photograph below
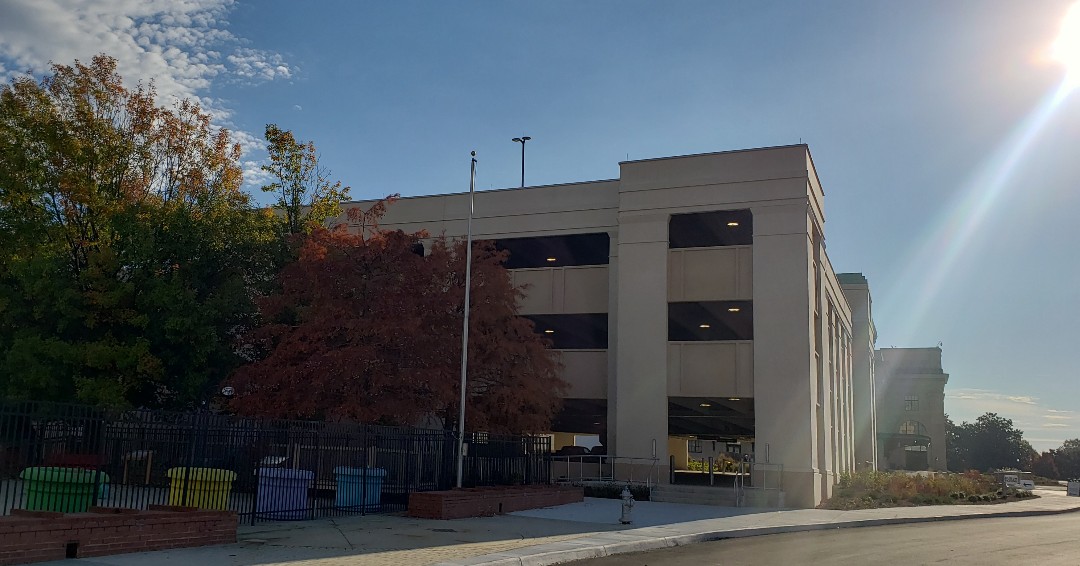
x=951 y=172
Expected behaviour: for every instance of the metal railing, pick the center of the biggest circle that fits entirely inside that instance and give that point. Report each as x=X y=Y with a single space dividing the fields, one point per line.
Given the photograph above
x=767 y=485
x=604 y=468
x=711 y=466
x=262 y=469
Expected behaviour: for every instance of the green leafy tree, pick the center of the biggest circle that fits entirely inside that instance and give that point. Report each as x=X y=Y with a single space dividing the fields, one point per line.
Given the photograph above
x=956 y=448
x=989 y=443
x=1067 y=459
x=305 y=195
x=130 y=258
x=1045 y=465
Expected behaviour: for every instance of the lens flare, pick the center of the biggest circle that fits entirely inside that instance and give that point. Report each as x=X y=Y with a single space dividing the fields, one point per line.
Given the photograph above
x=930 y=265
x=1066 y=49
x=934 y=259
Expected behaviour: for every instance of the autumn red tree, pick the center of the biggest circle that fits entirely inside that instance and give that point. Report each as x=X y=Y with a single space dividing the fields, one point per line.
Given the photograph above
x=366 y=329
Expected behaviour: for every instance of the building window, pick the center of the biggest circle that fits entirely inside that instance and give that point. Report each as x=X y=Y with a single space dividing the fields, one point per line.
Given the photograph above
x=693 y=446
x=707 y=321
x=573 y=331
x=556 y=251
x=911 y=403
x=912 y=428
x=710 y=229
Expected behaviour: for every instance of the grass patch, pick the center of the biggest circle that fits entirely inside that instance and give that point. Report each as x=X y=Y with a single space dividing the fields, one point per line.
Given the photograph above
x=872 y=490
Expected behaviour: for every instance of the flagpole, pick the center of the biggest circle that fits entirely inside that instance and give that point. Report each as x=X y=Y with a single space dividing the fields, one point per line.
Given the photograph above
x=465 y=325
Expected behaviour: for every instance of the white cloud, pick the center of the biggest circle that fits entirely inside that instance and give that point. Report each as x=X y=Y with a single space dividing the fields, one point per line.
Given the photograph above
x=1044 y=427
x=182 y=46
x=255 y=177
x=297 y=107
x=258 y=64
x=249 y=143
x=984 y=394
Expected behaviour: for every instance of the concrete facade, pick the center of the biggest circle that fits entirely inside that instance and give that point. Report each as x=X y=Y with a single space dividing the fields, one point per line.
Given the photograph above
x=911 y=409
x=863 y=341
x=784 y=387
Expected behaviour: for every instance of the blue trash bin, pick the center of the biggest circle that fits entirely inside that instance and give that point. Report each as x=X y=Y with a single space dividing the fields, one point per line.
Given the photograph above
x=283 y=494
x=358 y=489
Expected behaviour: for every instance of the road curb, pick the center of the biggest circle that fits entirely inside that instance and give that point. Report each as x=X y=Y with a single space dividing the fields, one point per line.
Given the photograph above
x=558 y=554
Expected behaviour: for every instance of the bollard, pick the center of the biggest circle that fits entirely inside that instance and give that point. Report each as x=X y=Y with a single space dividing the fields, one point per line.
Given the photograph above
x=627 y=505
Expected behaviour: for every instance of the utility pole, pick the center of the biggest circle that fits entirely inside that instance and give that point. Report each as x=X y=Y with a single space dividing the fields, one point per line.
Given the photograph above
x=465 y=330
x=522 y=141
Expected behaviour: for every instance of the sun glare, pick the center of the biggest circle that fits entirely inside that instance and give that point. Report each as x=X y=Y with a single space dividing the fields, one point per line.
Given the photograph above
x=1066 y=48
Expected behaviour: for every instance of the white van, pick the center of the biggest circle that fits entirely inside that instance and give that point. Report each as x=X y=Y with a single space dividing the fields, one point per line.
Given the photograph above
x=1017 y=479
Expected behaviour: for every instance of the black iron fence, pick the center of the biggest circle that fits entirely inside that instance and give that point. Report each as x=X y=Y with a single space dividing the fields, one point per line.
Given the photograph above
x=67 y=457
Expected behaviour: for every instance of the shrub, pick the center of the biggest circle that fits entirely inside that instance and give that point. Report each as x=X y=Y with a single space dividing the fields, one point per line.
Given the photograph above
x=722 y=463
x=612 y=490
x=867 y=490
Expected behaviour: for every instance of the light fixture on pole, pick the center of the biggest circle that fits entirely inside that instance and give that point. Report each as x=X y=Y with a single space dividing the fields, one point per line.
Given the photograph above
x=465 y=324
x=522 y=141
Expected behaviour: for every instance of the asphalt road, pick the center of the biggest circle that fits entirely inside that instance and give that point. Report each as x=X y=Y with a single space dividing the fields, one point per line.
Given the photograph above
x=1046 y=541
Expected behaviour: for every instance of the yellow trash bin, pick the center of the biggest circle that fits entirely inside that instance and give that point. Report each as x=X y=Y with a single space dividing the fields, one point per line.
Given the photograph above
x=205 y=488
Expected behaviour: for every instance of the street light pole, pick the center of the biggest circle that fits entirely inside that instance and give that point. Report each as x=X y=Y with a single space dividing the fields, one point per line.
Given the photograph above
x=465 y=328
x=522 y=141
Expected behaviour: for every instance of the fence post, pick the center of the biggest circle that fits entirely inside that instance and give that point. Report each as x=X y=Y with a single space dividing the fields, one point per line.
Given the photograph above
x=363 y=475
x=527 y=449
x=258 y=441
x=186 y=472
x=408 y=464
x=313 y=503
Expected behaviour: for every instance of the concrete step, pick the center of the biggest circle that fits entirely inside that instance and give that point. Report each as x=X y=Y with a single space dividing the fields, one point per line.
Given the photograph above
x=703 y=489
x=696 y=501
x=695 y=495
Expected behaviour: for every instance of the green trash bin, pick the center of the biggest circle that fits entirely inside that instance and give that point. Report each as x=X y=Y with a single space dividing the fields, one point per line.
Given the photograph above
x=66 y=490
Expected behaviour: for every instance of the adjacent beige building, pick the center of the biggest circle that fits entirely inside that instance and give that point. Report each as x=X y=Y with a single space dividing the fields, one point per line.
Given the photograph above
x=911 y=409
x=692 y=299
x=863 y=340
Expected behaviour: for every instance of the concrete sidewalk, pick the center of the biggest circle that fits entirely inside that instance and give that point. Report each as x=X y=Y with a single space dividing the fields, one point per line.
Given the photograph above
x=751 y=523
x=543 y=536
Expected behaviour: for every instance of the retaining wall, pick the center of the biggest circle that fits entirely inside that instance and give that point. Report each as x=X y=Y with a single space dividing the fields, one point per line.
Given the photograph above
x=37 y=536
x=488 y=501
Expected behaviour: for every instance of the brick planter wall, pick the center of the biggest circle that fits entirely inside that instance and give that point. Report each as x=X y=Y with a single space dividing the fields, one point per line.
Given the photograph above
x=36 y=536
x=488 y=501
